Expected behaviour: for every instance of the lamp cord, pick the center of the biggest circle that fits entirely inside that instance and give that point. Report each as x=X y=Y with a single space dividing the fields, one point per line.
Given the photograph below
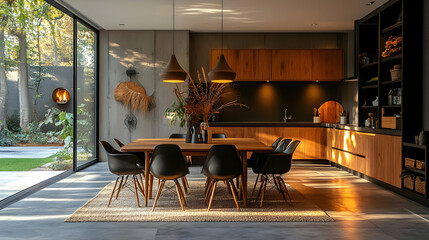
x=221 y=27
x=173 y=27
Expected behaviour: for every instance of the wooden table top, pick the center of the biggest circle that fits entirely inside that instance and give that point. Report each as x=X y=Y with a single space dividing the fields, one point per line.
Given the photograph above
x=149 y=144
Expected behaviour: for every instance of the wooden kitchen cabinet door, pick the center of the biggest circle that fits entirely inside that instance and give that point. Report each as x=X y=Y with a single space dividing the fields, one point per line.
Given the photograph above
x=262 y=65
x=292 y=65
x=328 y=65
x=214 y=57
x=240 y=61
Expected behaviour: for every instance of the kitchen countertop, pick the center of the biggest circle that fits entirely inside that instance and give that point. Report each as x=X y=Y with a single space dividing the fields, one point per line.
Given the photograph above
x=307 y=124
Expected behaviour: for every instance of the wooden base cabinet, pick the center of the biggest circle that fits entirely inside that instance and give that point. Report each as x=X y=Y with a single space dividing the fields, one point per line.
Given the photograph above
x=375 y=155
x=313 y=139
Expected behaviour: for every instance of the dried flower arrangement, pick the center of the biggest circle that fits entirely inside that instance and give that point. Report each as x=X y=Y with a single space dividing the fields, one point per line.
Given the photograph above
x=393 y=46
x=199 y=102
x=134 y=96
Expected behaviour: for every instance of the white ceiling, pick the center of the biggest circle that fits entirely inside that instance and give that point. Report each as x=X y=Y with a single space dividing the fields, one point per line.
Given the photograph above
x=239 y=15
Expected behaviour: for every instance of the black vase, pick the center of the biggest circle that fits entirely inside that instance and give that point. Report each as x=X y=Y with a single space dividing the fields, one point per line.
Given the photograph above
x=424 y=138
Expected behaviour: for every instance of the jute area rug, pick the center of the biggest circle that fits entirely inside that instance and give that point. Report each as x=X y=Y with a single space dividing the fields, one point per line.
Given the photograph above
x=223 y=209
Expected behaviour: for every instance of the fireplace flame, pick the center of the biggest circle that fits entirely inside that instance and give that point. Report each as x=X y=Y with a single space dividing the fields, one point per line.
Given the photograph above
x=61 y=96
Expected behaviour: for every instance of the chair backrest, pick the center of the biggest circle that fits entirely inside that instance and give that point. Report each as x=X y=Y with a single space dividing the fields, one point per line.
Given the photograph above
x=178 y=135
x=168 y=162
x=218 y=135
x=120 y=144
x=120 y=163
x=223 y=162
x=292 y=147
x=276 y=142
x=282 y=145
x=109 y=148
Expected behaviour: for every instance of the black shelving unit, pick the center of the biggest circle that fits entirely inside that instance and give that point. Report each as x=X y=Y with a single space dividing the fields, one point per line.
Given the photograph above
x=398 y=18
x=417 y=152
x=395 y=18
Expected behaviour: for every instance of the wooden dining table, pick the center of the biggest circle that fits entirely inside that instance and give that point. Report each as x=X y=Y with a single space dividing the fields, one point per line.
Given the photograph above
x=147 y=145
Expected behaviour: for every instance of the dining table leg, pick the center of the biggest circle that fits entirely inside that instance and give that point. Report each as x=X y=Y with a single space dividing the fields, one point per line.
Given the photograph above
x=146 y=177
x=244 y=178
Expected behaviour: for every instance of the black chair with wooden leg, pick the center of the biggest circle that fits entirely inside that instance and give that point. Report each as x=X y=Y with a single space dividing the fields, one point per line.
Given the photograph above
x=123 y=165
x=168 y=163
x=276 y=164
x=259 y=163
x=178 y=135
x=219 y=135
x=140 y=155
x=222 y=164
x=251 y=162
x=188 y=161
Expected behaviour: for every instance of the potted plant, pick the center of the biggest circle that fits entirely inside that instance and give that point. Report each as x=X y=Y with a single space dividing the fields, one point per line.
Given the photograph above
x=199 y=102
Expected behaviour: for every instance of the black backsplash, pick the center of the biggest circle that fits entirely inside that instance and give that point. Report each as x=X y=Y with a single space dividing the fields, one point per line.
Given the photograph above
x=267 y=101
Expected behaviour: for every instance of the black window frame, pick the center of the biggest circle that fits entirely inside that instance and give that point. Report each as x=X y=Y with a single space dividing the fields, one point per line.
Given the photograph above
x=77 y=19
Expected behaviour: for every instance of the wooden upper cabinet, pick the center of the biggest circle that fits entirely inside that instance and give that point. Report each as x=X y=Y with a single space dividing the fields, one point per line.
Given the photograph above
x=241 y=61
x=214 y=57
x=291 y=65
x=262 y=65
x=283 y=65
x=328 y=65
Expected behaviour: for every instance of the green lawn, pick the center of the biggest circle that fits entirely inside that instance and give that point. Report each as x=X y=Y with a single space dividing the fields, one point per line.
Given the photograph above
x=23 y=164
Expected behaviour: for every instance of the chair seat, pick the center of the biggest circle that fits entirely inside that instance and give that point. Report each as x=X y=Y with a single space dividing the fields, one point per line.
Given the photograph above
x=221 y=177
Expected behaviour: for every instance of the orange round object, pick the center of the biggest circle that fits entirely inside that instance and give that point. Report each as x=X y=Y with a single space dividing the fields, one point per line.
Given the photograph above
x=61 y=96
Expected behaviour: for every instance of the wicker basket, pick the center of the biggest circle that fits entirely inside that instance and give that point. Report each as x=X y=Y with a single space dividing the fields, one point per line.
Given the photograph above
x=409 y=162
x=420 y=185
x=409 y=182
x=395 y=74
x=420 y=165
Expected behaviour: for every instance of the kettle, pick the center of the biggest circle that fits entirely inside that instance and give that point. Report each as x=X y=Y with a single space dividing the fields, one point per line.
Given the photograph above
x=194 y=134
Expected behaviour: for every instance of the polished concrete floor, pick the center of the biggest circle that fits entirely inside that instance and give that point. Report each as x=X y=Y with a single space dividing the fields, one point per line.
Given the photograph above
x=12 y=182
x=361 y=210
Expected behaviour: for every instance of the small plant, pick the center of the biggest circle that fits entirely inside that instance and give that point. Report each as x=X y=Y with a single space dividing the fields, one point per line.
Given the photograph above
x=12 y=122
x=5 y=140
x=177 y=113
x=63 y=160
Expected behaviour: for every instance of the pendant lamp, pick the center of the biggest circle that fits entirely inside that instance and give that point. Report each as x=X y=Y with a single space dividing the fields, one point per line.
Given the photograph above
x=222 y=72
x=173 y=72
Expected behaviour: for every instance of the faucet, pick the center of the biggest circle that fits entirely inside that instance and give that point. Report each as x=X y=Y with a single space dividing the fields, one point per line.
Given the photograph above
x=285 y=118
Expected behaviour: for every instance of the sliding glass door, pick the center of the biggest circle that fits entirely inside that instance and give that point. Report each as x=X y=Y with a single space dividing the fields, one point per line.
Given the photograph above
x=86 y=94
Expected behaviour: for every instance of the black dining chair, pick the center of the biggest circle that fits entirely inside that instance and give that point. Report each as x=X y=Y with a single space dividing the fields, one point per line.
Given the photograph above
x=123 y=165
x=188 y=161
x=276 y=164
x=178 y=135
x=168 y=163
x=254 y=157
x=219 y=135
x=260 y=161
x=140 y=155
x=222 y=164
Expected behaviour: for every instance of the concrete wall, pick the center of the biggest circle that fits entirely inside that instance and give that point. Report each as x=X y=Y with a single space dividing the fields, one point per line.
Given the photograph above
x=55 y=77
x=148 y=52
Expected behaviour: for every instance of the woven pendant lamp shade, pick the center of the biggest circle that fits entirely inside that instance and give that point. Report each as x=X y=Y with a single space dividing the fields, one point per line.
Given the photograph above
x=173 y=72
x=222 y=72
